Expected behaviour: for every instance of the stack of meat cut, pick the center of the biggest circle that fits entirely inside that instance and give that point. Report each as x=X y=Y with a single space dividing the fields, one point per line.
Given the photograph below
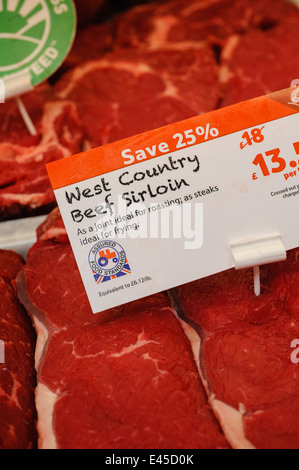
x=131 y=378
x=153 y=65
x=125 y=379
x=207 y=365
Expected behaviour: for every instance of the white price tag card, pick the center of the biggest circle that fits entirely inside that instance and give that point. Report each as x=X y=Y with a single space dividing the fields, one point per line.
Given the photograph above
x=163 y=208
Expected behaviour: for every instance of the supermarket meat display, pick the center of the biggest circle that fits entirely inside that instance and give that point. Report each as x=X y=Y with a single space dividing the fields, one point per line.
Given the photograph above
x=129 y=381
x=147 y=67
x=244 y=352
x=17 y=374
x=24 y=183
x=206 y=365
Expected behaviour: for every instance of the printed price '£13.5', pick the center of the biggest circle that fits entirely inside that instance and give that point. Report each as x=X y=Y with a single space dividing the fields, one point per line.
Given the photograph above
x=271 y=162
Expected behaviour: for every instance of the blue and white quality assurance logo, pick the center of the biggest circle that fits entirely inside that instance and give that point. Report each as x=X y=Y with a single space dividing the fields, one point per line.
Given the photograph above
x=108 y=261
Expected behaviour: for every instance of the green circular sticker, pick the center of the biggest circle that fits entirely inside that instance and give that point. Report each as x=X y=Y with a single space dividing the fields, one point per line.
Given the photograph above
x=35 y=36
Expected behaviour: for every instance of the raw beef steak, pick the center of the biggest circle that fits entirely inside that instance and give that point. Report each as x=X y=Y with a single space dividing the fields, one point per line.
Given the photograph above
x=125 y=380
x=91 y=43
x=17 y=375
x=243 y=346
x=10 y=265
x=157 y=25
x=24 y=185
x=260 y=62
x=129 y=92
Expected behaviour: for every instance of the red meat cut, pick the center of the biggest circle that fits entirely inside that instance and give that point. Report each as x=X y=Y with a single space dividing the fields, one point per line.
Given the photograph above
x=125 y=380
x=91 y=43
x=157 y=25
x=24 y=184
x=271 y=55
x=130 y=91
x=17 y=375
x=89 y=10
x=242 y=344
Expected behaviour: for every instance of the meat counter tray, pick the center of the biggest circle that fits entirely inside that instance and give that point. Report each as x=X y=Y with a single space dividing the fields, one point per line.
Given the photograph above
x=19 y=235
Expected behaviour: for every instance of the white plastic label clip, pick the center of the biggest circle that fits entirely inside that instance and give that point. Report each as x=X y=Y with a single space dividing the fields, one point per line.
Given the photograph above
x=253 y=252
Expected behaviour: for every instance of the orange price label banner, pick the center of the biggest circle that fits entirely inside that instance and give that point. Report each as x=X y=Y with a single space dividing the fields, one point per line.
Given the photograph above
x=160 y=209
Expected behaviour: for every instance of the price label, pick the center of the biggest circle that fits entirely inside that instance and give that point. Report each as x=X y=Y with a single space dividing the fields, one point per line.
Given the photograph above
x=163 y=208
